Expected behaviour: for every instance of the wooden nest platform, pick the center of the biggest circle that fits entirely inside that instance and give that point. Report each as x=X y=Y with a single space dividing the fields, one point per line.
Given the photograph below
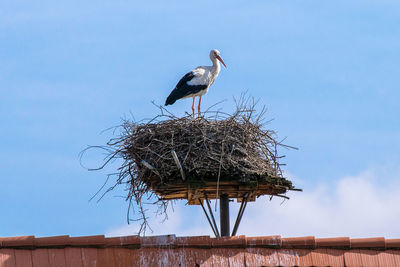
x=195 y=193
x=171 y=158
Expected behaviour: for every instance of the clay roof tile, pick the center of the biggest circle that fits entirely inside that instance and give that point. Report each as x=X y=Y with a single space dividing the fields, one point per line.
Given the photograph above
x=158 y=241
x=299 y=242
x=393 y=243
x=376 y=242
x=336 y=242
x=233 y=241
x=123 y=241
x=95 y=240
x=17 y=241
x=52 y=241
x=193 y=241
x=264 y=241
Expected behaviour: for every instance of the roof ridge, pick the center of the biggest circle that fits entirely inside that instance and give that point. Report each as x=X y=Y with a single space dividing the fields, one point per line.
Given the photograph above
x=171 y=241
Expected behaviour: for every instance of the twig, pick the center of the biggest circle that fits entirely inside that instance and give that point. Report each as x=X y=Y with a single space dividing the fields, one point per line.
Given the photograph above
x=149 y=166
x=176 y=159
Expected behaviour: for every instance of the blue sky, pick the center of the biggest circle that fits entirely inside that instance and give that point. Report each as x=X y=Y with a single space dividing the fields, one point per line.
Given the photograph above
x=327 y=71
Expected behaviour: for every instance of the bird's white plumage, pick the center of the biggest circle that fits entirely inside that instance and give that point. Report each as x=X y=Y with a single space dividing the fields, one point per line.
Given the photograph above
x=198 y=81
x=203 y=76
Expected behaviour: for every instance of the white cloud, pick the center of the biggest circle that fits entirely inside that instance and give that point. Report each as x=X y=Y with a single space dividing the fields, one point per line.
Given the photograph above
x=365 y=205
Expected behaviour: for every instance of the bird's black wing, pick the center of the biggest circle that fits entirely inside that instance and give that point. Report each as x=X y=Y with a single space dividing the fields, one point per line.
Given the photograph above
x=182 y=89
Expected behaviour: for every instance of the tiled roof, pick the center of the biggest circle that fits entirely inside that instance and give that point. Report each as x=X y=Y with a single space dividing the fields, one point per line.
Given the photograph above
x=169 y=250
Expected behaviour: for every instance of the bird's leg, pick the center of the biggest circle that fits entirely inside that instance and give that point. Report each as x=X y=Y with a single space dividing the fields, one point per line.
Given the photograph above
x=198 y=108
x=193 y=107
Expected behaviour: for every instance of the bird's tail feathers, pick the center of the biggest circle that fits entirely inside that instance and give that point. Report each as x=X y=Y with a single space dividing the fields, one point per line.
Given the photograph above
x=170 y=100
x=173 y=96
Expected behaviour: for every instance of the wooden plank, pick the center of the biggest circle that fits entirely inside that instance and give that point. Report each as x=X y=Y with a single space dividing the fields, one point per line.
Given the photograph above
x=195 y=202
x=234 y=189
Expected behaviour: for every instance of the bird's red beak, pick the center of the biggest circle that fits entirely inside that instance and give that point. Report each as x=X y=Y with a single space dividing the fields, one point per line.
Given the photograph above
x=220 y=59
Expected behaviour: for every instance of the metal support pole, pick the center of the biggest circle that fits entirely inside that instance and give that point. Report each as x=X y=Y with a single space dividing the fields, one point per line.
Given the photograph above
x=208 y=219
x=211 y=214
x=224 y=215
x=240 y=215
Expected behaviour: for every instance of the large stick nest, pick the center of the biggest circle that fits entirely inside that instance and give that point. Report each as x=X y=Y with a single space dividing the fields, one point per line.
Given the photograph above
x=232 y=149
x=216 y=147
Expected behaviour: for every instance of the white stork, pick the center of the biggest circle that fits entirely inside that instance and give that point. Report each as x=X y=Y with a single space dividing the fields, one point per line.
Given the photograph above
x=196 y=82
